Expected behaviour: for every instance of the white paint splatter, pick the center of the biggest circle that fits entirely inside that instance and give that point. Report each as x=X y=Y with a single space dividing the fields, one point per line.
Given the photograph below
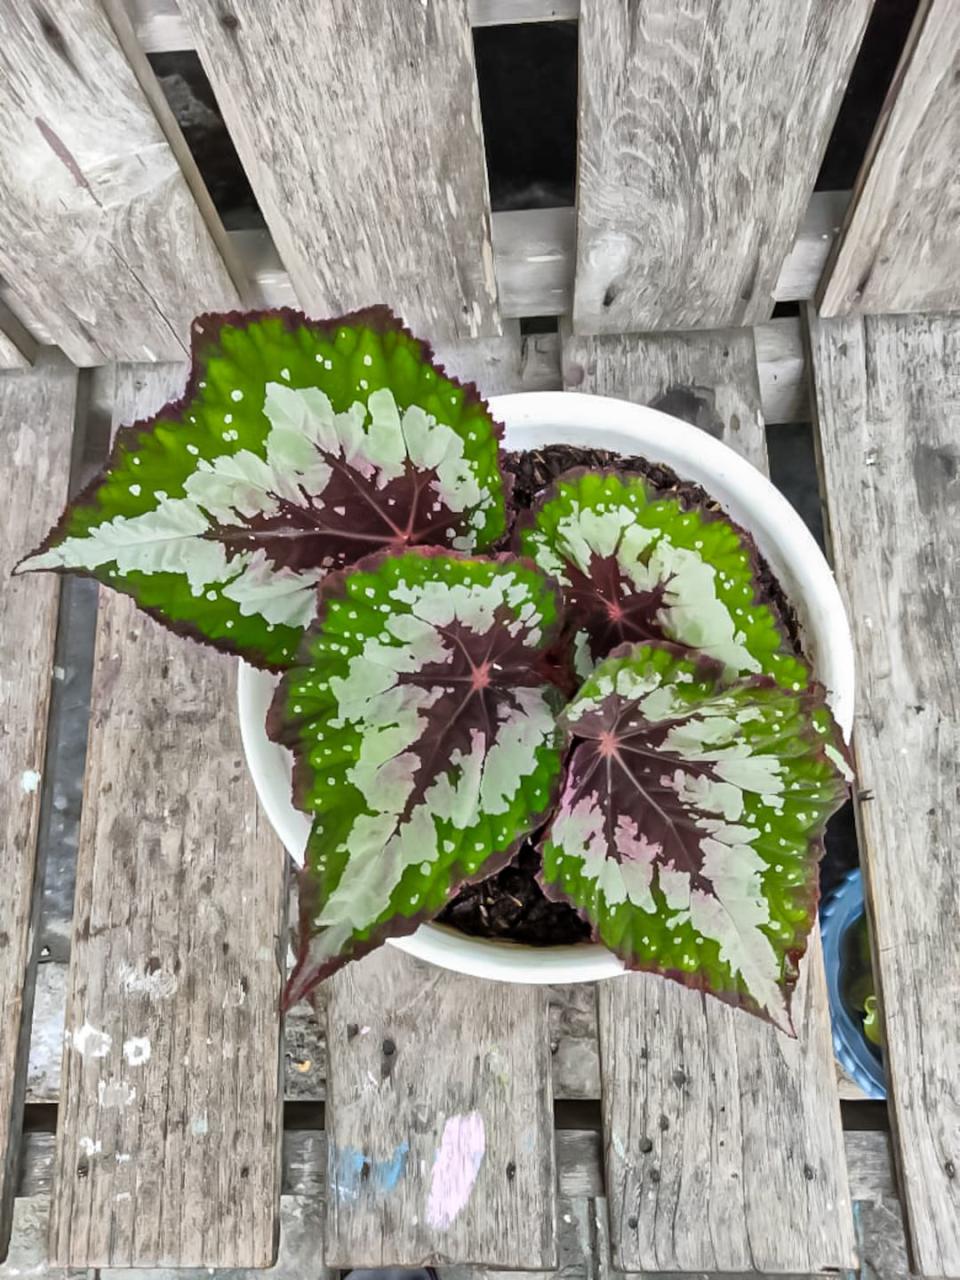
x=455 y=1168
x=235 y=997
x=89 y=1147
x=89 y=1042
x=137 y=1050
x=199 y=1126
x=157 y=984
x=115 y=1093
x=29 y=780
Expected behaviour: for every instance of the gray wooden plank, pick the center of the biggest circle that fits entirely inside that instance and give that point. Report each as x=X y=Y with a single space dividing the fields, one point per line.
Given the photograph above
x=300 y=1244
x=159 y=25
x=697 y=1097
x=707 y=378
x=534 y=252
x=512 y=362
x=782 y=370
x=157 y=101
x=898 y=248
x=359 y=129
x=439 y=1117
x=881 y=1240
x=803 y=266
x=28 y=1255
x=161 y=28
x=491 y=13
x=37 y=410
x=888 y=405
x=692 y=180
x=169 y=1117
x=99 y=233
x=724 y=1150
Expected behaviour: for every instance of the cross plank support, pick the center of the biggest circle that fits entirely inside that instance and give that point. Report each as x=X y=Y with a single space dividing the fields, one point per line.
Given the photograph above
x=691 y=183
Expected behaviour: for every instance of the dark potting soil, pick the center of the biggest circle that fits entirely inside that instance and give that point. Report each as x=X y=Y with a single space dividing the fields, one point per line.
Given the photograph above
x=511 y=905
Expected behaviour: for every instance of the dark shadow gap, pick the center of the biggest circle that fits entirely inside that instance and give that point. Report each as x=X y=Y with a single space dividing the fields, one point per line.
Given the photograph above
x=527 y=73
x=191 y=99
x=883 y=43
x=538 y=324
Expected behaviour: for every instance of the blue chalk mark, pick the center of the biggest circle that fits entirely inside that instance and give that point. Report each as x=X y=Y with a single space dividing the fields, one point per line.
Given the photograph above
x=353 y=1170
x=387 y=1174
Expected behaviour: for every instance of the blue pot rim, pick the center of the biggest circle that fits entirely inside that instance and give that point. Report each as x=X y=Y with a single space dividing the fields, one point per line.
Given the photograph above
x=839 y=911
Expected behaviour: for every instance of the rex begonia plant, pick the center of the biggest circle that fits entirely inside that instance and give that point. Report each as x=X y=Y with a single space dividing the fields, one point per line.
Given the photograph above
x=603 y=673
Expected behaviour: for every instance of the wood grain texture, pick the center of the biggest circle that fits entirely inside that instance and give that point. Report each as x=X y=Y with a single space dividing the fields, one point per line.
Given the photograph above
x=36 y=427
x=579 y=1164
x=707 y=379
x=898 y=250
x=168 y=1141
x=571 y=1021
x=723 y=1145
x=697 y=1097
x=534 y=252
x=694 y=171
x=888 y=406
x=490 y=13
x=161 y=28
x=803 y=266
x=359 y=129
x=782 y=371
x=439 y=1119
x=99 y=233
x=512 y=362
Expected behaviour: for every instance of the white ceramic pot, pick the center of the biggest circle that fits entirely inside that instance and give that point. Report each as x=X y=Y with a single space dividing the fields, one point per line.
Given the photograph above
x=554 y=417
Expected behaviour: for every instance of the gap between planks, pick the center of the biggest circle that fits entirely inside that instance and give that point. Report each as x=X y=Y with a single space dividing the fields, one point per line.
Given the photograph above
x=38 y=408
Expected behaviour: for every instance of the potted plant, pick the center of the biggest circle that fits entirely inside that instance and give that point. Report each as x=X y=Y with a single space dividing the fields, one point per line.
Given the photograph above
x=565 y=654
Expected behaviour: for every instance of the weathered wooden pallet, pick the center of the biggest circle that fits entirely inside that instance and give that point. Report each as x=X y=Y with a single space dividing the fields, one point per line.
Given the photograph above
x=170 y=1151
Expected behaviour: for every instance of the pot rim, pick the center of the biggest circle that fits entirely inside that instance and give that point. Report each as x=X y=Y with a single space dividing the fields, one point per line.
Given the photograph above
x=533 y=419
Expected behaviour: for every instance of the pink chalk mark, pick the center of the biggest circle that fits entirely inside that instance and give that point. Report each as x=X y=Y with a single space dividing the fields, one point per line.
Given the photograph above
x=455 y=1168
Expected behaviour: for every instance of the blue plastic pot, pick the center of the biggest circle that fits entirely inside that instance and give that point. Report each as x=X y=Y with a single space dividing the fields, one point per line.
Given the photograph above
x=840 y=911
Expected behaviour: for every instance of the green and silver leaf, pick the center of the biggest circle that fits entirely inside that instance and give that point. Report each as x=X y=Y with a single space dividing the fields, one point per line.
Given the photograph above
x=691 y=818
x=636 y=565
x=422 y=717
x=299 y=447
